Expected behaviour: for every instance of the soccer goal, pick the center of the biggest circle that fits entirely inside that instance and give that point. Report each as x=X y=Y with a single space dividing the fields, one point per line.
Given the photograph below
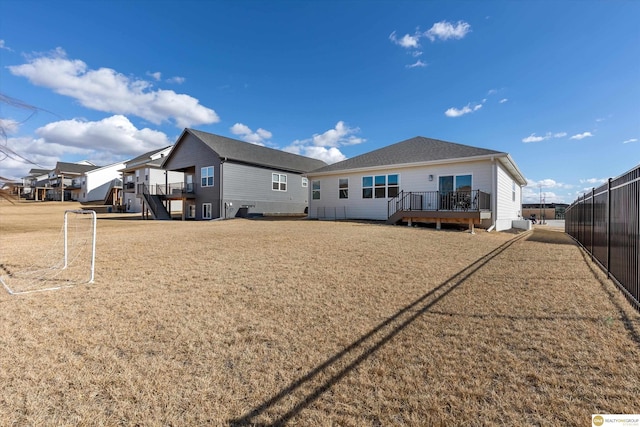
x=51 y=262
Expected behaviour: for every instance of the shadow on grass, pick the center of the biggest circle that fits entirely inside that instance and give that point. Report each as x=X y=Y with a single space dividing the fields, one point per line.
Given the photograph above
x=550 y=236
x=319 y=380
x=628 y=323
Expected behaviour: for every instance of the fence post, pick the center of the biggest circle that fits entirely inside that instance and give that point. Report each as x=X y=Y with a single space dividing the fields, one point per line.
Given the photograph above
x=593 y=215
x=608 y=227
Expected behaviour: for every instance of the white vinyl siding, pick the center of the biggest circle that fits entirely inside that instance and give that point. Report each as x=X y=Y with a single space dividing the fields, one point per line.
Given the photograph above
x=409 y=179
x=508 y=209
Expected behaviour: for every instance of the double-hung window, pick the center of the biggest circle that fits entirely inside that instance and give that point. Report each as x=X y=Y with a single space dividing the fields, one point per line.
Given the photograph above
x=278 y=182
x=305 y=182
x=206 y=176
x=315 y=190
x=343 y=188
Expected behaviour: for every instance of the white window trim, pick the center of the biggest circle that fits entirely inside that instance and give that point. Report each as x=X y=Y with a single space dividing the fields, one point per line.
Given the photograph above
x=373 y=185
x=279 y=181
x=202 y=175
x=340 y=189
x=313 y=190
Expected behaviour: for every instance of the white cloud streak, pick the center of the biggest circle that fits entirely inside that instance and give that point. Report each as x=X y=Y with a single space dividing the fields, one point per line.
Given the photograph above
x=418 y=63
x=107 y=90
x=457 y=112
x=534 y=138
x=630 y=140
x=582 y=135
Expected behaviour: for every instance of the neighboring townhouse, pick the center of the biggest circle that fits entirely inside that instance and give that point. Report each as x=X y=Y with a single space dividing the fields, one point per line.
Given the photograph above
x=36 y=184
x=102 y=185
x=144 y=177
x=225 y=178
x=421 y=180
x=64 y=180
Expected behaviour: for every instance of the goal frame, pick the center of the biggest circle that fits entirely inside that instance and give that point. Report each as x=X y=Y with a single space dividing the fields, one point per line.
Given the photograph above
x=93 y=238
x=66 y=253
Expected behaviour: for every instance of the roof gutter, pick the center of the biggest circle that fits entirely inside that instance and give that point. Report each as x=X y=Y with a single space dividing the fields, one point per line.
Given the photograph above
x=405 y=165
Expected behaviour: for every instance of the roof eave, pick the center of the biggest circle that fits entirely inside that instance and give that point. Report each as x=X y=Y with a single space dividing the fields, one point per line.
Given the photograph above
x=412 y=164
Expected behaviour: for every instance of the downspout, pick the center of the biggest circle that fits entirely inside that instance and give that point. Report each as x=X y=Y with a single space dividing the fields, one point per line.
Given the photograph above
x=221 y=181
x=494 y=190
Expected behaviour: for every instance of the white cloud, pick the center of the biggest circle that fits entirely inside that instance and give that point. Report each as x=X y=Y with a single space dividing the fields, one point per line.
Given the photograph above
x=107 y=90
x=630 y=140
x=324 y=146
x=593 y=181
x=407 y=41
x=327 y=155
x=4 y=46
x=9 y=126
x=258 y=137
x=418 y=63
x=503 y=100
x=106 y=141
x=457 y=112
x=156 y=76
x=547 y=189
x=534 y=138
x=440 y=30
x=177 y=80
x=581 y=135
x=444 y=30
x=115 y=135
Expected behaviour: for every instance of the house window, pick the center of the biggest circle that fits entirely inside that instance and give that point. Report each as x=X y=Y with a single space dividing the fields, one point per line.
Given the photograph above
x=380 y=186
x=206 y=176
x=367 y=187
x=393 y=185
x=305 y=182
x=206 y=211
x=278 y=182
x=513 y=191
x=315 y=190
x=458 y=183
x=343 y=188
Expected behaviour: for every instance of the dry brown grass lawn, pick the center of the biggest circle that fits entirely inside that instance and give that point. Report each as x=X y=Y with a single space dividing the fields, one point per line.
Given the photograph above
x=314 y=323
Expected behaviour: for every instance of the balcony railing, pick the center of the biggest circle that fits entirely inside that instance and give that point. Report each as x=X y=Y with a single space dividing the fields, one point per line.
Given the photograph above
x=451 y=201
x=172 y=189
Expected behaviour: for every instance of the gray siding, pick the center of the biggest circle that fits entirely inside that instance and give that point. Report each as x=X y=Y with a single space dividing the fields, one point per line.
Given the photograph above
x=246 y=185
x=190 y=156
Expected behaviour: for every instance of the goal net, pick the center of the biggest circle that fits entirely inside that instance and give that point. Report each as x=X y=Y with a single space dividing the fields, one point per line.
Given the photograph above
x=45 y=261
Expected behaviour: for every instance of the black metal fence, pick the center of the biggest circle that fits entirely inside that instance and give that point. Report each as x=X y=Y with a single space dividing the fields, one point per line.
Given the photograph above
x=606 y=222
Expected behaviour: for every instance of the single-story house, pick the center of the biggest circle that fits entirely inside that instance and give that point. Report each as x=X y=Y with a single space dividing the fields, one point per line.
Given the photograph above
x=421 y=180
x=225 y=177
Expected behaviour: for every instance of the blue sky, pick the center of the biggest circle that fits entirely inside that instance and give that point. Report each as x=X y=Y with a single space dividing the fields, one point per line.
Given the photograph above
x=554 y=83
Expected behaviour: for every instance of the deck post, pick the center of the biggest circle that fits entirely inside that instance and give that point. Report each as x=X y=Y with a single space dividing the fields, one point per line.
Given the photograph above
x=438 y=224
x=471 y=226
x=409 y=222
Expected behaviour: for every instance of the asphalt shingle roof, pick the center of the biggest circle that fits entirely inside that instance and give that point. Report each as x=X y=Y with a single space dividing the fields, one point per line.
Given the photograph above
x=244 y=152
x=74 y=168
x=415 y=150
x=146 y=156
